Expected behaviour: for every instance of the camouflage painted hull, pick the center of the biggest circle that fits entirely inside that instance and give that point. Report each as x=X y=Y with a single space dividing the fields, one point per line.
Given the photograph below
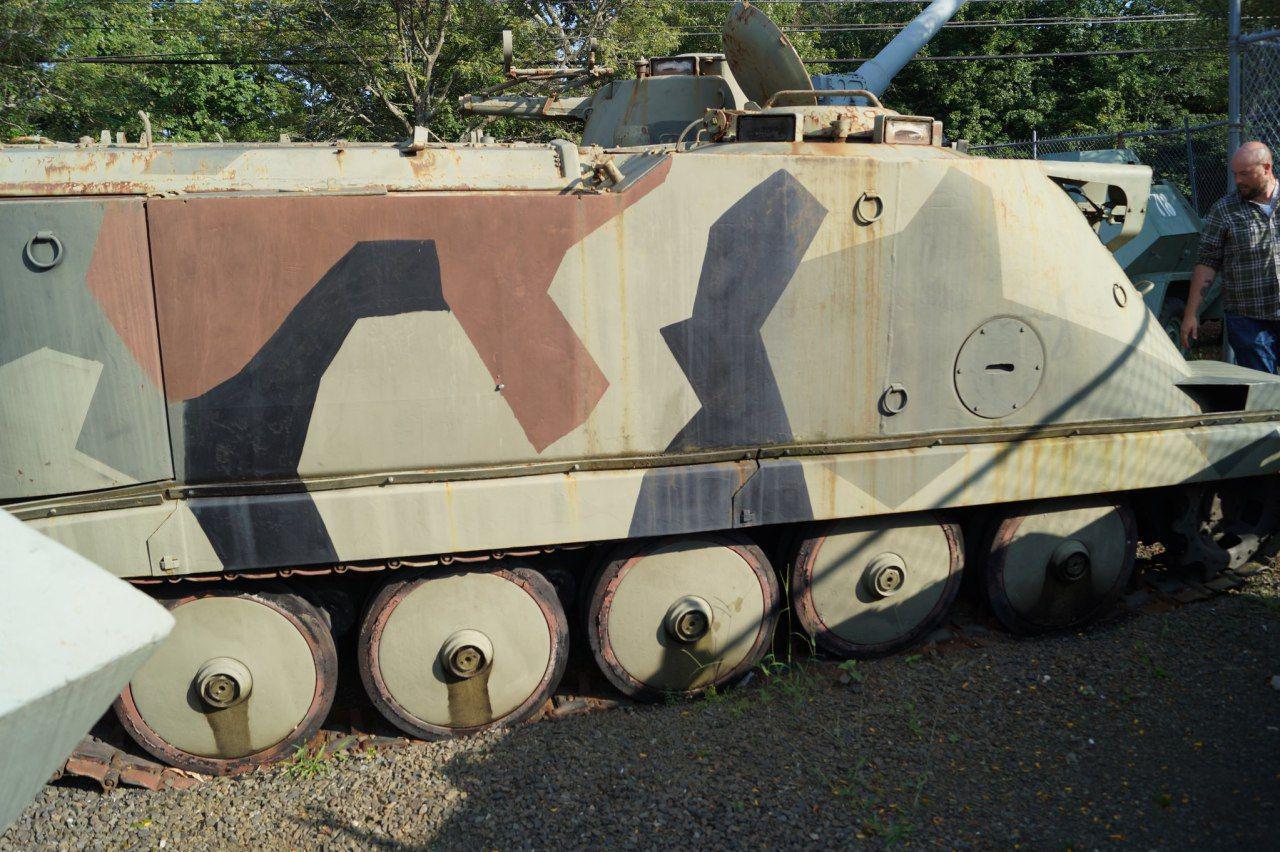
x=266 y=367
x=370 y=363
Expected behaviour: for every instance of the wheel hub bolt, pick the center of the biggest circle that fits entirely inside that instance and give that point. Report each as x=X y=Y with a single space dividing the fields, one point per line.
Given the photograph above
x=689 y=619
x=886 y=575
x=223 y=682
x=466 y=653
x=1071 y=561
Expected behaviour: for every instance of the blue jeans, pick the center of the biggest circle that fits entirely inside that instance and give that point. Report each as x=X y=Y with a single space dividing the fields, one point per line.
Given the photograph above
x=1256 y=342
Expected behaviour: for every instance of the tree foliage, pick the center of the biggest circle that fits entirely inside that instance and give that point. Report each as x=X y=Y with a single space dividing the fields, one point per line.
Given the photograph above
x=65 y=100
x=371 y=69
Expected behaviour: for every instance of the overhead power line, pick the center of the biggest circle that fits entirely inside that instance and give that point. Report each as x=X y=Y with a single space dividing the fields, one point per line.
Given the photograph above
x=246 y=28
x=252 y=4
x=198 y=60
x=192 y=58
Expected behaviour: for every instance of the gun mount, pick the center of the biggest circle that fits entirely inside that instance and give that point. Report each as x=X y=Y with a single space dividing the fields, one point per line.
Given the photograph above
x=655 y=107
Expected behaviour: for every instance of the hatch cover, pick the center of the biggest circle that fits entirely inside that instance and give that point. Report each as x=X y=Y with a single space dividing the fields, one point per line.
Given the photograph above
x=761 y=56
x=999 y=367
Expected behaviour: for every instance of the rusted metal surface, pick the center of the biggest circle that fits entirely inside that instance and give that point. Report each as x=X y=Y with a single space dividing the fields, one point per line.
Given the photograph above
x=761 y=55
x=810 y=543
x=377 y=356
x=111 y=767
x=1153 y=592
x=445 y=559
x=1062 y=605
x=199 y=168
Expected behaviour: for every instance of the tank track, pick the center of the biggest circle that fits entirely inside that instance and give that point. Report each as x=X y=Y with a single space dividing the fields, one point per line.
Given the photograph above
x=110 y=766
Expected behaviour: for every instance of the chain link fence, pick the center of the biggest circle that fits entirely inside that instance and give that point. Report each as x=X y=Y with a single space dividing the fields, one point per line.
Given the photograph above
x=1192 y=157
x=1260 y=87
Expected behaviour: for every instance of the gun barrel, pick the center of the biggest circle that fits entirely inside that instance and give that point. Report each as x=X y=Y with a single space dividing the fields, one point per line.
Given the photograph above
x=529 y=107
x=875 y=74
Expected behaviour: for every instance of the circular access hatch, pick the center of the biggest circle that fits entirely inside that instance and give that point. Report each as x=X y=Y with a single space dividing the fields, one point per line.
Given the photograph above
x=999 y=367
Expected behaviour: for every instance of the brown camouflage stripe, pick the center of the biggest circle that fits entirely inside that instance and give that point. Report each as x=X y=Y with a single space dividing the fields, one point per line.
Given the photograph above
x=228 y=272
x=119 y=278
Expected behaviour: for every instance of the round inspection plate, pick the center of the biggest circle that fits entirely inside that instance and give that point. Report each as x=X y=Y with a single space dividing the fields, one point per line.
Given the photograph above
x=999 y=367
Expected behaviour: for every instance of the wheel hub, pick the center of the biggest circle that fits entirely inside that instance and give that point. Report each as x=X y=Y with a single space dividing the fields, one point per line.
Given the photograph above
x=466 y=653
x=223 y=682
x=886 y=575
x=1071 y=561
x=689 y=619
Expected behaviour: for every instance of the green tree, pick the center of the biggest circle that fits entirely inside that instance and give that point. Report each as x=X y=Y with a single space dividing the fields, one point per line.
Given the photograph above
x=371 y=69
x=46 y=89
x=995 y=100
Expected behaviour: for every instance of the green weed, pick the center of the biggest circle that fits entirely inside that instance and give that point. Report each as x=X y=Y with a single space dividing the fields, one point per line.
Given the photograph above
x=851 y=670
x=308 y=764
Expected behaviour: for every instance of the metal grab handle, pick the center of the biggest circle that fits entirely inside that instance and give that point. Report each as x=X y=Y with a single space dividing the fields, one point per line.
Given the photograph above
x=44 y=237
x=1144 y=290
x=893 y=390
x=862 y=218
x=822 y=93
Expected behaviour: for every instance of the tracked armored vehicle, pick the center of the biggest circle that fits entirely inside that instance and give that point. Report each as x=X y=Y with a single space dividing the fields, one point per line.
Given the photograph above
x=1163 y=254
x=424 y=391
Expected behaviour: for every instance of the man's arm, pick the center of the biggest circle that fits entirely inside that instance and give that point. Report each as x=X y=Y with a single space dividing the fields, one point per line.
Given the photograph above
x=1201 y=278
x=1213 y=243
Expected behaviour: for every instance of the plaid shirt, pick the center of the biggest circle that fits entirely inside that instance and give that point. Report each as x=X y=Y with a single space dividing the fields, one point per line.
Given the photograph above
x=1240 y=241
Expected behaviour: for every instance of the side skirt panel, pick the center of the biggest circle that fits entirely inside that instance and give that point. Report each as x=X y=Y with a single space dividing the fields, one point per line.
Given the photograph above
x=398 y=520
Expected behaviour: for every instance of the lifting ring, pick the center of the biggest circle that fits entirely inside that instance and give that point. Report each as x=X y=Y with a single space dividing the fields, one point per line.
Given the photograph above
x=49 y=237
x=869 y=196
x=894 y=399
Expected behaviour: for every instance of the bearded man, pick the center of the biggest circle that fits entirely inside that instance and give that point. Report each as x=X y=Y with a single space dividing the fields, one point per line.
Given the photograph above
x=1239 y=240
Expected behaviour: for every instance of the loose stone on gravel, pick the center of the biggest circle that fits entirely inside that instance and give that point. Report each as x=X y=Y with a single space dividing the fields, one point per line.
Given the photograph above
x=1153 y=730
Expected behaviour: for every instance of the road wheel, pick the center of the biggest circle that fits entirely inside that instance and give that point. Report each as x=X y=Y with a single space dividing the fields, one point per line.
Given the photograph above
x=444 y=654
x=872 y=586
x=1059 y=564
x=243 y=679
x=680 y=615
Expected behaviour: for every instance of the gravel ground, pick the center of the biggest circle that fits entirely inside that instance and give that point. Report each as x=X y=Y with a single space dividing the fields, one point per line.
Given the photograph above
x=1154 y=730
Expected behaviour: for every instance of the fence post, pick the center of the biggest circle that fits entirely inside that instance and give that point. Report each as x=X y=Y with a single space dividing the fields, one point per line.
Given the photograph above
x=1035 y=144
x=1191 y=164
x=1233 y=87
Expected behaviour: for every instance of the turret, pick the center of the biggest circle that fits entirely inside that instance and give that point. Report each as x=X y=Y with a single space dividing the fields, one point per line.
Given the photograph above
x=655 y=107
x=701 y=95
